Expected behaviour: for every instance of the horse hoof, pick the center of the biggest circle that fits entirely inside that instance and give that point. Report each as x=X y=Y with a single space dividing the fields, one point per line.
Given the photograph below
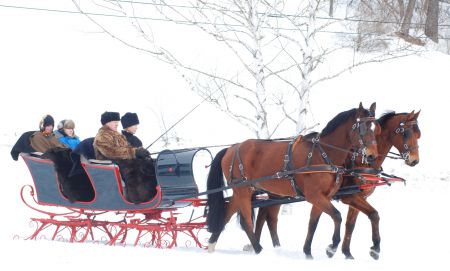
x=211 y=247
x=349 y=257
x=374 y=254
x=248 y=247
x=331 y=251
x=309 y=257
x=258 y=249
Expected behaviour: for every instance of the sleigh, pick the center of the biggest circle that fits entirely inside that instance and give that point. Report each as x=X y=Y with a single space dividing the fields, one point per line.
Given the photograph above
x=162 y=221
x=109 y=217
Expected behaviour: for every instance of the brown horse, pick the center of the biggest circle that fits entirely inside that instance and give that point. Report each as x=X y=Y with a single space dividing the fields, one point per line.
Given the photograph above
x=289 y=169
x=402 y=132
x=398 y=130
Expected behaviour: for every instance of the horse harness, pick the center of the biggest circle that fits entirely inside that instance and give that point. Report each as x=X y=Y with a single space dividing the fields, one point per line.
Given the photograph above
x=288 y=172
x=406 y=134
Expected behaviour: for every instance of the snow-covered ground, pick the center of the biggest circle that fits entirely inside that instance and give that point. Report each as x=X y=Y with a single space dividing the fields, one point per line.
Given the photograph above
x=56 y=68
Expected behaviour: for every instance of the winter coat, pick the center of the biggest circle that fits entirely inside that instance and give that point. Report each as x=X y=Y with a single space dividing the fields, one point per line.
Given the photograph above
x=111 y=145
x=42 y=142
x=70 y=142
x=22 y=145
x=132 y=139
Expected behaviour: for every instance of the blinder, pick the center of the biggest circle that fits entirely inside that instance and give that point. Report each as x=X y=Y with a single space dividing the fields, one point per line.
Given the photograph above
x=361 y=125
x=406 y=130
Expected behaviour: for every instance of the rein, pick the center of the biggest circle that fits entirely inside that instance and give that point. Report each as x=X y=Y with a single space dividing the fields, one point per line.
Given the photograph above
x=287 y=172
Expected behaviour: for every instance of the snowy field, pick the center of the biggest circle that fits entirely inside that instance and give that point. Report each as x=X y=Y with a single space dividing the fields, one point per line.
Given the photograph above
x=56 y=68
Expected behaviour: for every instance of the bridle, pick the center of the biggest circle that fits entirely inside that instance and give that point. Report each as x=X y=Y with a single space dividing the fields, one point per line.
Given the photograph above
x=406 y=134
x=361 y=125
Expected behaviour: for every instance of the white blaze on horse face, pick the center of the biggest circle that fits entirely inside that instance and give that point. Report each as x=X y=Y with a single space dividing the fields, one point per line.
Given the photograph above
x=373 y=127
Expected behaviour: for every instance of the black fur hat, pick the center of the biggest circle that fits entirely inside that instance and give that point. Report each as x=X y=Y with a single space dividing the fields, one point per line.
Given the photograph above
x=46 y=120
x=129 y=119
x=110 y=116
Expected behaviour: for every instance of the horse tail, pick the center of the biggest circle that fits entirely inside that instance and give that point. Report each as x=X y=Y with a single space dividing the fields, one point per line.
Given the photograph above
x=216 y=201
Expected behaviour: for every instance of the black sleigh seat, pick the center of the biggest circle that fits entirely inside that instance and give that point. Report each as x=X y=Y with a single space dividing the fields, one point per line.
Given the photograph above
x=174 y=175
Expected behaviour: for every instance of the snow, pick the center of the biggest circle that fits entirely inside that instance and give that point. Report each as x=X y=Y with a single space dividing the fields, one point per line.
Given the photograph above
x=53 y=63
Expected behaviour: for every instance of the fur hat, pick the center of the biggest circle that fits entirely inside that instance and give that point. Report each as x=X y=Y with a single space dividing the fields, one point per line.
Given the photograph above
x=66 y=124
x=129 y=119
x=109 y=116
x=46 y=120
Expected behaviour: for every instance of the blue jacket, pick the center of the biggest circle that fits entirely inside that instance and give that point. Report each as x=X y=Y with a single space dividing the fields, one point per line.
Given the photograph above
x=70 y=142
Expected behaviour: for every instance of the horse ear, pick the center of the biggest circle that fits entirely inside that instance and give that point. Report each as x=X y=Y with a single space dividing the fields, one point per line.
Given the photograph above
x=372 y=109
x=410 y=116
x=417 y=114
x=360 y=106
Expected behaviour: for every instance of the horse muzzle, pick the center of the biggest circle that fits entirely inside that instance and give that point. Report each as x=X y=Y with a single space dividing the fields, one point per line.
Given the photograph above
x=412 y=163
x=370 y=159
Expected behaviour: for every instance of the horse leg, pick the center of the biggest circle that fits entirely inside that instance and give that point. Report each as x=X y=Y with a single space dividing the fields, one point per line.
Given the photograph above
x=231 y=209
x=352 y=215
x=361 y=204
x=259 y=225
x=312 y=226
x=325 y=205
x=272 y=223
x=246 y=215
x=260 y=221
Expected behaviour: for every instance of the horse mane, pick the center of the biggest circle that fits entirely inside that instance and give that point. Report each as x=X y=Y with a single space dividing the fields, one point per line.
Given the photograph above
x=310 y=135
x=339 y=119
x=385 y=117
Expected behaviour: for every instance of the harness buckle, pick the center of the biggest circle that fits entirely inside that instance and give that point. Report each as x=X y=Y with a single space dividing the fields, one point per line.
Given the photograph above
x=280 y=174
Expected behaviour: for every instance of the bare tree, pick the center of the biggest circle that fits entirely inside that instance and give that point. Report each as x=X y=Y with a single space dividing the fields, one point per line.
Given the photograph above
x=275 y=49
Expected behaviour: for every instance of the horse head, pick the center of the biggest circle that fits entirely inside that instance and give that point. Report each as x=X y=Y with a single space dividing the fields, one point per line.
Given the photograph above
x=363 y=134
x=404 y=134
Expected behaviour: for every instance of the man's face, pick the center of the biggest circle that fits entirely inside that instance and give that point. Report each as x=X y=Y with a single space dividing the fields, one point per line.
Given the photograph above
x=48 y=129
x=132 y=129
x=113 y=125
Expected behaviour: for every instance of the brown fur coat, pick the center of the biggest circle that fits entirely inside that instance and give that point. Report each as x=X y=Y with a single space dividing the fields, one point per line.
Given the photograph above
x=111 y=145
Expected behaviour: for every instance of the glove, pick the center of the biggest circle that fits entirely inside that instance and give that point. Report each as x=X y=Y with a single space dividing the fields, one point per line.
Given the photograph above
x=142 y=153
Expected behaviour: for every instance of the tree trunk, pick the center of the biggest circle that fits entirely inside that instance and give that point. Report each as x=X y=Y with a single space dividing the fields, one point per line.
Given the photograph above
x=406 y=24
x=261 y=115
x=401 y=8
x=431 y=24
x=330 y=11
x=307 y=69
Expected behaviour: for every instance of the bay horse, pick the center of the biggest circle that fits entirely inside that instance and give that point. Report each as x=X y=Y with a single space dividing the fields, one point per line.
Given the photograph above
x=399 y=130
x=289 y=169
